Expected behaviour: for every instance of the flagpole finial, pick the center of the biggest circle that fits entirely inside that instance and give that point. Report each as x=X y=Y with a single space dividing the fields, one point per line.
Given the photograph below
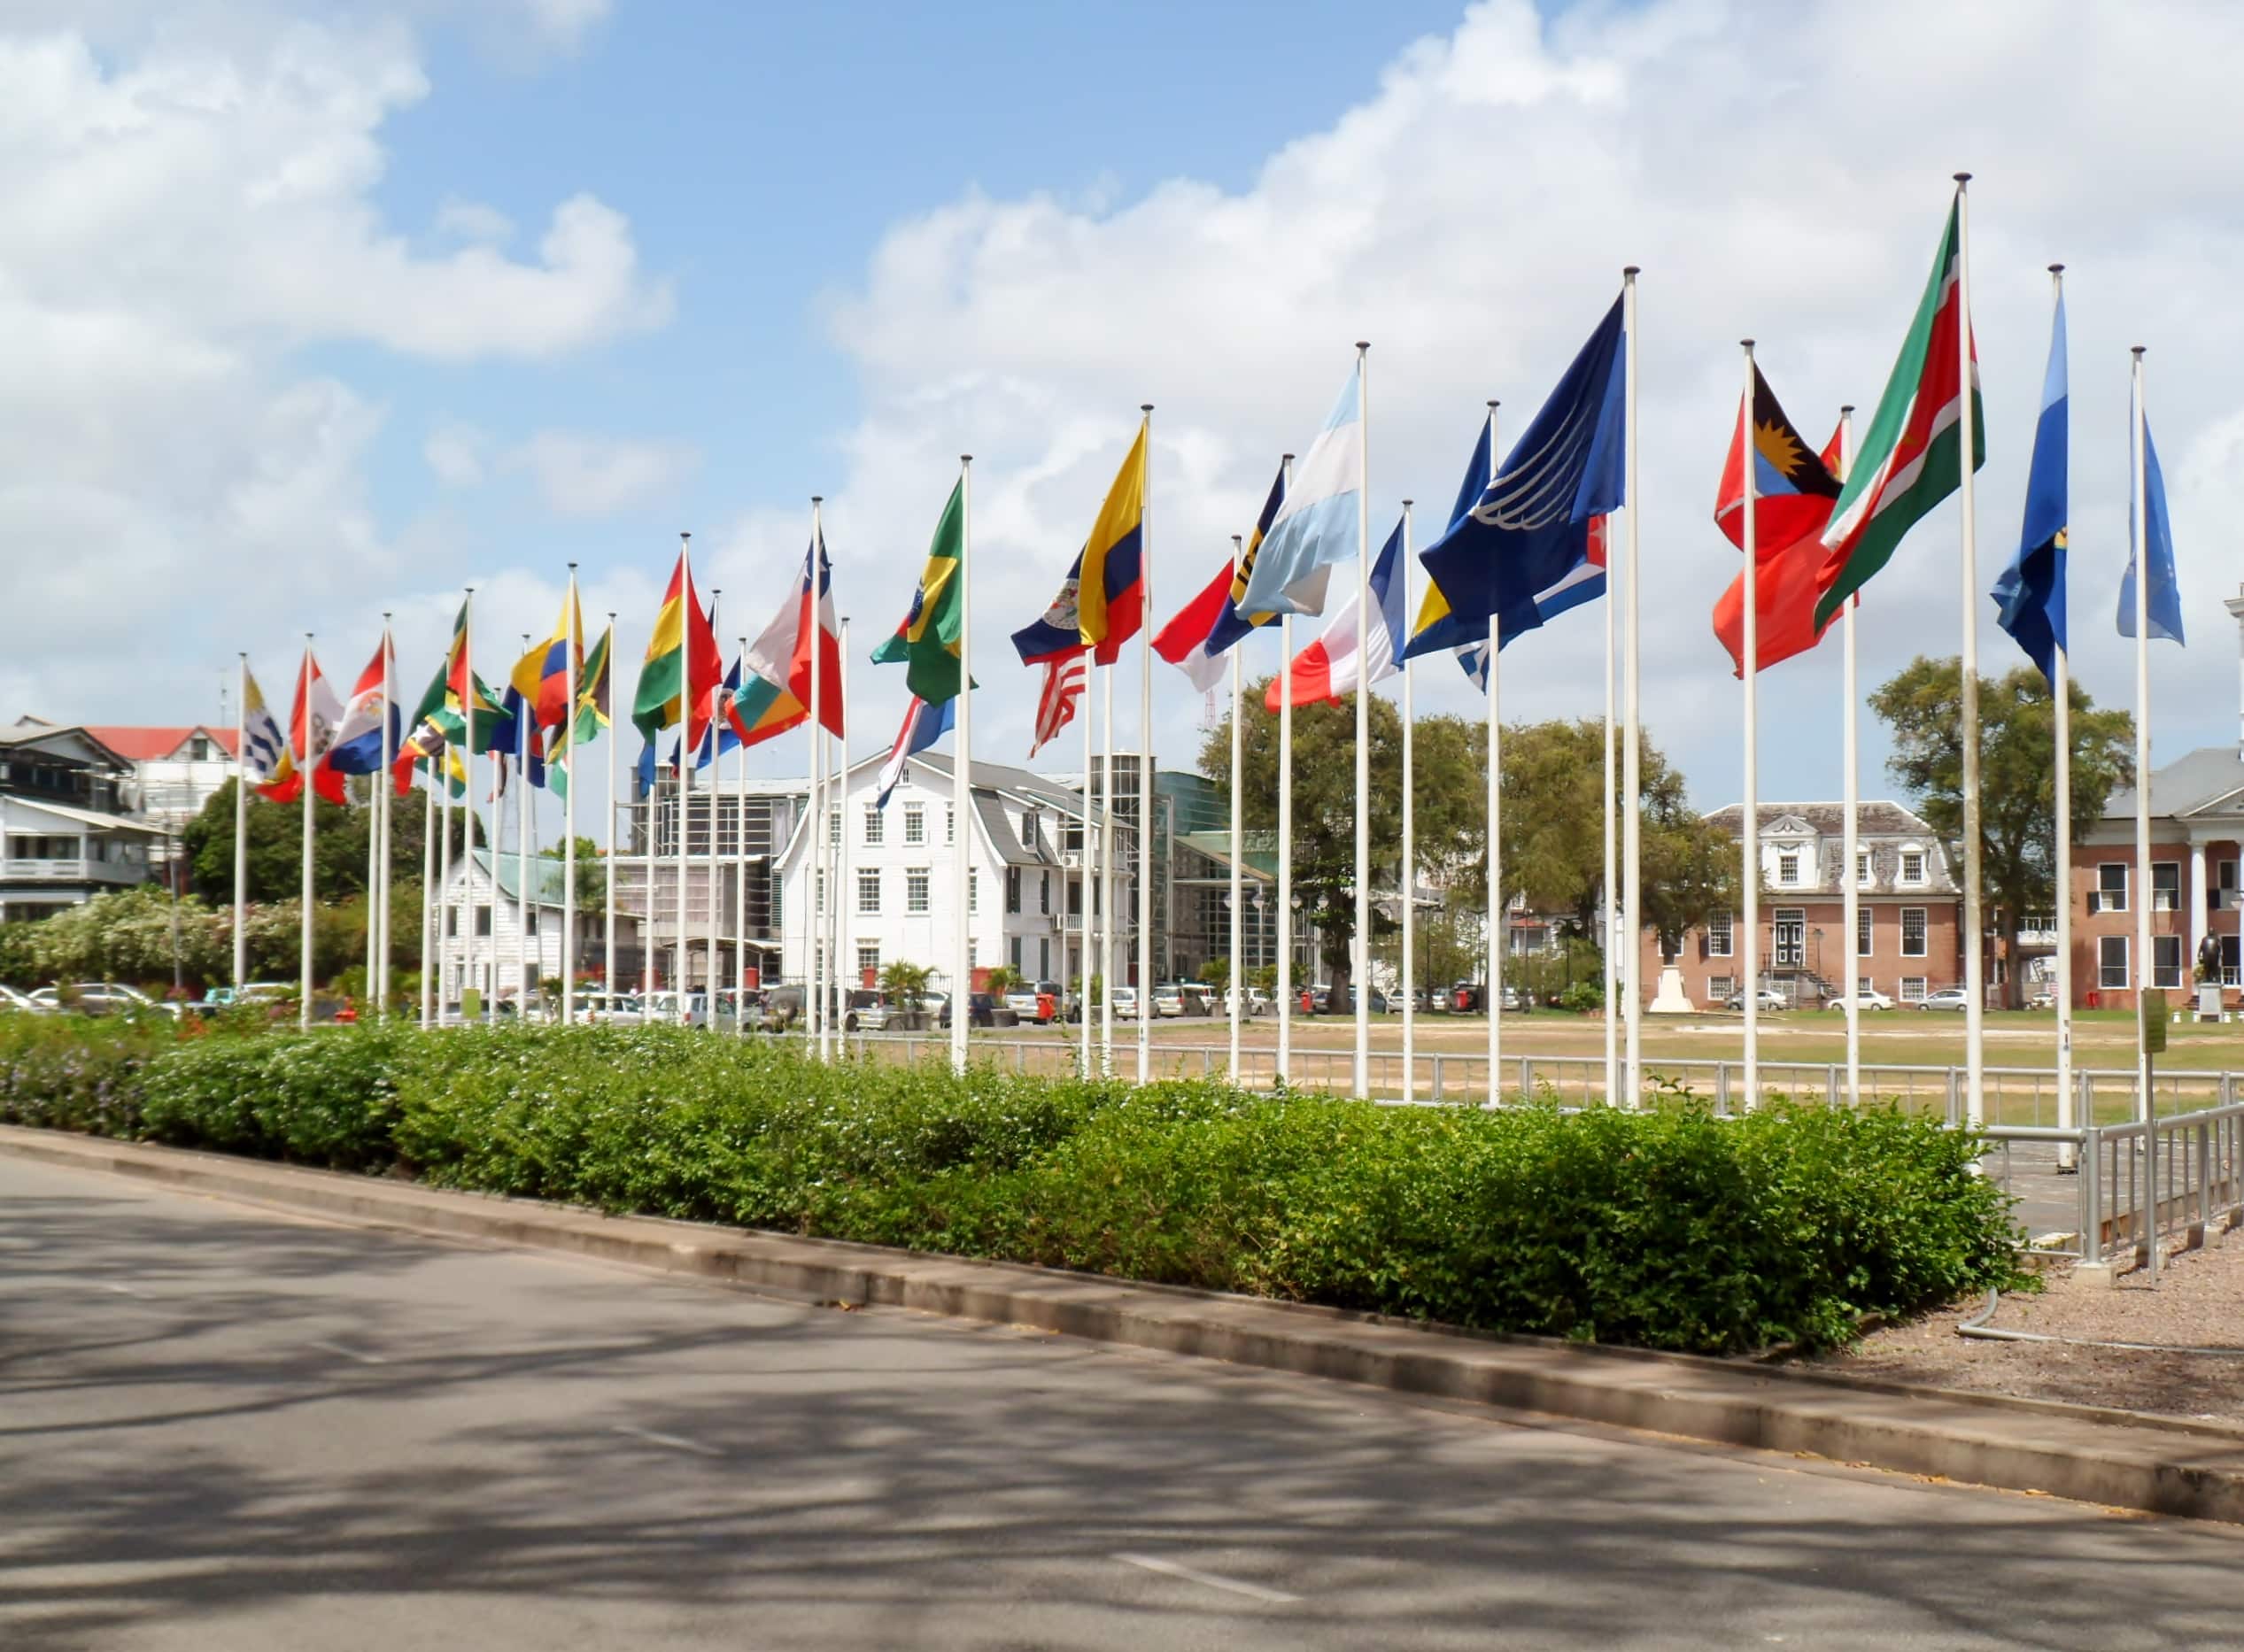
x=1629 y=272
x=1845 y=407
x=1408 y=503
x=1287 y=459
x=1363 y=343
x=2056 y=269
x=1145 y=407
x=1746 y=345
x=2135 y=351
x=965 y=459
x=1494 y=404
x=818 y=499
x=1961 y=179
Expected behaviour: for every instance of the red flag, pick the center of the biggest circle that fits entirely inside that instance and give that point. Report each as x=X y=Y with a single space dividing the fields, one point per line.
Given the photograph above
x=1786 y=585
x=1064 y=677
x=1182 y=642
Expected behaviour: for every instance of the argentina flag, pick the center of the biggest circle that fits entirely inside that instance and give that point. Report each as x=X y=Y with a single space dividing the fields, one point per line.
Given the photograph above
x=1316 y=524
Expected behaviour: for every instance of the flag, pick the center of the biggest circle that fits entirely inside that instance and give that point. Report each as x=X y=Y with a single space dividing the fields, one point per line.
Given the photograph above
x=359 y=739
x=1232 y=625
x=541 y=676
x=517 y=737
x=924 y=725
x=312 y=725
x=1786 y=568
x=1110 y=594
x=424 y=737
x=1585 y=582
x=263 y=744
x=1911 y=457
x=682 y=640
x=1531 y=528
x=781 y=655
x=1185 y=641
x=927 y=641
x=1436 y=627
x=1347 y=655
x=592 y=711
x=1064 y=681
x=2030 y=597
x=1057 y=633
x=1315 y=523
x=2163 y=601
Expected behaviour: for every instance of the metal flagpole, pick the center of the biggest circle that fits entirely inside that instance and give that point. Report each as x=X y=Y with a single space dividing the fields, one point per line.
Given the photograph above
x=1238 y=886
x=607 y=873
x=1406 y=862
x=678 y=980
x=2062 y=696
x=841 y=755
x=521 y=857
x=1359 y=975
x=374 y=881
x=740 y=873
x=815 y=856
x=1850 y=749
x=2145 y=972
x=1494 y=781
x=961 y=792
x=1286 y=828
x=430 y=894
x=468 y=826
x=1749 y=821
x=715 y=785
x=570 y=650
x=1111 y=851
x=652 y=807
x=1974 y=1006
x=440 y=957
x=240 y=823
x=384 y=796
x=1086 y=872
x=303 y=777
x=1145 y=763
x=1632 y=750
x=1609 y=943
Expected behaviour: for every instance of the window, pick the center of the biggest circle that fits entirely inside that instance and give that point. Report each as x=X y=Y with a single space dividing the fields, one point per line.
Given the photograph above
x=1913 y=932
x=950 y=822
x=2111 y=963
x=869 y=891
x=483 y=922
x=776 y=884
x=1028 y=827
x=1912 y=866
x=1044 y=959
x=872 y=823
x=2231 y=960
x=1044 y=892
x=833 y=827
x=2166 y=961
x=1719 y=940
x=868 y=957
x=1016 y=955
x=532 y=914
x=1863 y=932
x=914 y=823
x=1862 y=868
x=973 y=889
x=1013 y=892
x=2110 y=894
x=1862 y=987
x=2165 y=885
x=1720 y=986
x=1788 y=868
x=822 y=888
x=2224 y=875
x=1913 y=988
x=916 y=889
x=452 y=919
x=971 y=949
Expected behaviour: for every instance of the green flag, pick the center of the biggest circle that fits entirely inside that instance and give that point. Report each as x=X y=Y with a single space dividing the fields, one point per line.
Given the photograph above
x=927 y=641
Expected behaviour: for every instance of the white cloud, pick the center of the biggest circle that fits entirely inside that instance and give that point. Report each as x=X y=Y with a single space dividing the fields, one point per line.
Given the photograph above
x=588 y=476
x=1782 y=173
x=456 y=453
x=472 y=220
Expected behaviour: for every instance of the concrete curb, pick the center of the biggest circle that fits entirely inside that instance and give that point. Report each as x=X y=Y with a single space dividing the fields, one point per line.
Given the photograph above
x=2118 y=1459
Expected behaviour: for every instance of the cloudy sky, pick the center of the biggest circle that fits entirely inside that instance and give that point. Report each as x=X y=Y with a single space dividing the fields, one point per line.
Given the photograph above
x=311 y=311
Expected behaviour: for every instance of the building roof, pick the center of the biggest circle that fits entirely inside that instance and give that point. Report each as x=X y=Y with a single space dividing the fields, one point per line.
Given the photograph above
x=16 y=806
x=2205 y=781
x=548 y=876
x=1873 y=818
x=1258 y=859
x=141 y=744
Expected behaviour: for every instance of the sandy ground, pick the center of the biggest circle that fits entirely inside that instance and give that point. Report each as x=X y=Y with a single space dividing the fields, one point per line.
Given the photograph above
x=2198 y=1301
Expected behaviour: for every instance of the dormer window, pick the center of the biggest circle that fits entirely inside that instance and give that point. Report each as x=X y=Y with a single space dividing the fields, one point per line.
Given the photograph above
x=1912 y=866
x=1863 y=870
x=1788 y=867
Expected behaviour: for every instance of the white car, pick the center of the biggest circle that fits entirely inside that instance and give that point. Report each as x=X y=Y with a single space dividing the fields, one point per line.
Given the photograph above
x=10 y=998
x=1168 y=999
x=1770 y=998
x=1947 y=998
x=1868 y=998
x=1126 y=1002
x=1253 y=1002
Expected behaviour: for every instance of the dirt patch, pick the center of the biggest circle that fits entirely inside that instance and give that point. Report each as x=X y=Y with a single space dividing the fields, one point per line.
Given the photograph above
x=2198 y=1301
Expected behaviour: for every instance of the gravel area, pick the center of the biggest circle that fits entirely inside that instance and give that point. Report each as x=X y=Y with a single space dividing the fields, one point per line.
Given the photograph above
x=2198 y=1301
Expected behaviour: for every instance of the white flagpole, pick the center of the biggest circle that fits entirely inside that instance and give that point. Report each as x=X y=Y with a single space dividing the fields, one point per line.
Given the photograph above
x=303 y=775
x=1238 y=885
x=468 y=827
x=2062 y=693
x=1494 y=781
x=1145 y=764
x=374 y=881
x=815 y=860
x=652 y=806
x=1609 y=947
x=1087 y=873
x=1632 y=752
x=2145 y=972
x=240 y=823
x=607 y=939
x=1850 y=760
x=1974 y=1006
x=741 y=871
x=430 y=894
x=1286 y=829
x=1749 y=822
x=680 y=983
x=388 y=806
x=1360 y=974
x=1110 y=851
x=962 y=789
x=569 y=687
x=1407 y=861
x=716 y=786
x=841 y=756
x=521 y=857
x=439 y=959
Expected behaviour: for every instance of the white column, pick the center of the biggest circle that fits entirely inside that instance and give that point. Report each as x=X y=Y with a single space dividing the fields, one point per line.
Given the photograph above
x=2196 y=905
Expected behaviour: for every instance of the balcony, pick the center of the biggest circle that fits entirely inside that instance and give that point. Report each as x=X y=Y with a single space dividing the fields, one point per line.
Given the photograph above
x=34 y=870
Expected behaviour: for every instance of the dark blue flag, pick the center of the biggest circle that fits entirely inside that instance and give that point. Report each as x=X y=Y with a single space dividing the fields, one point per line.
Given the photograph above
x=2031 y=594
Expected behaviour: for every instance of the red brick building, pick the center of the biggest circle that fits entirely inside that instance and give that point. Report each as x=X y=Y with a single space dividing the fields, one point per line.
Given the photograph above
x=2197 y=836
x=1909 y=939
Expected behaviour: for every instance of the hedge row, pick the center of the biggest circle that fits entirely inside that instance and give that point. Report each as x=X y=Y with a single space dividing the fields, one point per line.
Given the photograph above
x=1665 y=1228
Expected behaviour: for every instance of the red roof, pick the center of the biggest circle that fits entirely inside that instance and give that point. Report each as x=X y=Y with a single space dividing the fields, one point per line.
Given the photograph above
x=146 y=744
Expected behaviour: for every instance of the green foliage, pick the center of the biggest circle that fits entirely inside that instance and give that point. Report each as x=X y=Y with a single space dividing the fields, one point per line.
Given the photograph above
x=1001 y=979
x=1582 y=996
x=905 y=984
x=1666 y=1228
x=592 y=872
x=1217 y=972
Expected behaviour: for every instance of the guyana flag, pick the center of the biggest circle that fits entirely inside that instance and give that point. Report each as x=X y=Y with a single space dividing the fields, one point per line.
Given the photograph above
x=1911 y=457
x=928 y=640
x=683 y=649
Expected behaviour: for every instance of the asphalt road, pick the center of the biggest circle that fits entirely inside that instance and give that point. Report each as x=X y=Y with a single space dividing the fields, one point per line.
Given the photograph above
x=223 y=1428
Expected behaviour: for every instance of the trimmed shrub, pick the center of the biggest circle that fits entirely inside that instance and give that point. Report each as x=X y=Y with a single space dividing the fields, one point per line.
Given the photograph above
x=1666 y=1228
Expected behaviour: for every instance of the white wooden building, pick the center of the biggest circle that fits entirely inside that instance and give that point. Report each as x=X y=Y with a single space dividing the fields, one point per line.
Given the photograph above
x=503 y=954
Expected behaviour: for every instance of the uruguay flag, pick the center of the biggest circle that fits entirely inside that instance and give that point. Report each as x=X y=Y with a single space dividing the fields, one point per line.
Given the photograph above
x=1315 y=526
x=1531 y=528
x=357 y=748
x=2031 y=594
x=924 y=725
x=1347 y=655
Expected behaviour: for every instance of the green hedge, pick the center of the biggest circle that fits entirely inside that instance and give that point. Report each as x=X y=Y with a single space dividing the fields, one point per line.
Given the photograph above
x=1665 y=1228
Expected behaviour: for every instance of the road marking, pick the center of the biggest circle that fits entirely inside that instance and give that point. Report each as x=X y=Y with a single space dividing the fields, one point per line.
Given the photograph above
x=675 y=1442
x=350 y=1354
x=1253 y=1591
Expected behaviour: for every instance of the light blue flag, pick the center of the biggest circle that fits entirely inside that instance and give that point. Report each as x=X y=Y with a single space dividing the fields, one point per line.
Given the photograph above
x=1316 y=524
x=2162 y=600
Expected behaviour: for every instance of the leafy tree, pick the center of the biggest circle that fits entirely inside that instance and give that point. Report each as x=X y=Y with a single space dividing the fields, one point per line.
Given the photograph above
x=1217 y=972
x=274 y=862
x=906 y=983
x=591 y=873
x=1923 y=704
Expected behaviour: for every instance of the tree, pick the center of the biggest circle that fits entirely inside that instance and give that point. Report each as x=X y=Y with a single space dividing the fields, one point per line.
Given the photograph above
x=1000 y=980
x=274 y=862
x=905 y=984
x=591 y=873
x=1217 y=972
x=1923 y=706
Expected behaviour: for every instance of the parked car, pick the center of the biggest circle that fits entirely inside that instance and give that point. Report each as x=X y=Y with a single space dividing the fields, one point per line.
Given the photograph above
x=22 y=1003
x=1947 y=998
x=1125 y=1003
x=1168 y=999
x=101 y=998
x=1034 y=1001
x=1465 y=997
x=662 y=1009
x=1253 y=1002
x=2043 y=997
x=1770 y=998
x=1869 y=998
x=619 y=1009
x=982 y=1010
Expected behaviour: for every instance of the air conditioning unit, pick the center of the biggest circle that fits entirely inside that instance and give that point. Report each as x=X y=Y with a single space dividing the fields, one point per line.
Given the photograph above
x=1073 y=859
